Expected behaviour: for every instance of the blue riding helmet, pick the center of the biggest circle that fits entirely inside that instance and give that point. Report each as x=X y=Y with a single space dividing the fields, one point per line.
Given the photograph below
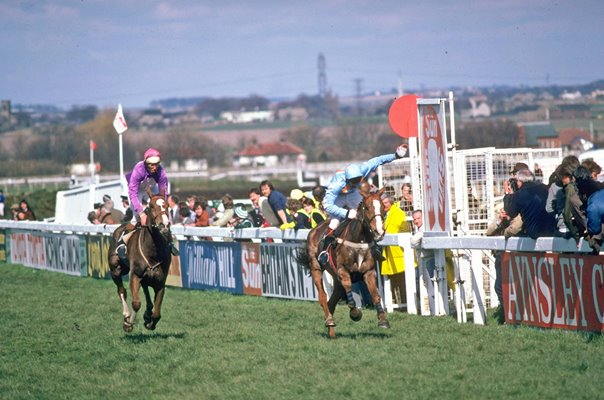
x=353 y=171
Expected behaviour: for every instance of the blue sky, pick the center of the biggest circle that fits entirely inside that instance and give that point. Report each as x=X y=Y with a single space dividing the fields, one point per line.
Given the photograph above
x=106 y=52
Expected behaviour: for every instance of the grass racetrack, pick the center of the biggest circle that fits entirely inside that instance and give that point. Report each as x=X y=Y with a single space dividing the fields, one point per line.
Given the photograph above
x=62 y=337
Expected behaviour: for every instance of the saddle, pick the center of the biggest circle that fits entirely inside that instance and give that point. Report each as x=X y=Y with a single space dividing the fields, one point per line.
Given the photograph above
x=330 y=245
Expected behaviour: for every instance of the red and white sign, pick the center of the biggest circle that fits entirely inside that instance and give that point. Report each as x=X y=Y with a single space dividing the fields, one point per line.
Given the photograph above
x=433 y=161
x=119 y=122
x=554 y=290
x=251 y=271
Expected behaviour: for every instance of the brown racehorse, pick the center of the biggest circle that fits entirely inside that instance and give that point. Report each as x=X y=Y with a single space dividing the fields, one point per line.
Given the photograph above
x=149 y=257
x=351 y=260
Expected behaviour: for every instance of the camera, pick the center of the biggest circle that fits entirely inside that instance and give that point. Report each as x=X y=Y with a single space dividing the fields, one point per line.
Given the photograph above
x=514 y=184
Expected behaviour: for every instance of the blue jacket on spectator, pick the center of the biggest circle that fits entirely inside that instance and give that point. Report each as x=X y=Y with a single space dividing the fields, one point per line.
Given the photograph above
x=595 y=212
x=529 y=202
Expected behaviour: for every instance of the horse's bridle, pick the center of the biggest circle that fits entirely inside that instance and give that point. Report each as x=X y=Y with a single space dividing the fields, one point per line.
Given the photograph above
x=366 y=223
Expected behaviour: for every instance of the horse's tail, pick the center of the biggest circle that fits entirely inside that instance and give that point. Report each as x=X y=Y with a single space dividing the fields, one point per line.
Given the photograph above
x=303 y=258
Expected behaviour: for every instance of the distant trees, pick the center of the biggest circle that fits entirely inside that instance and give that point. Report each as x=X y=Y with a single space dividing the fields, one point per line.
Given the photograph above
x=316 y=106
x=82 y=114
x=497 y=133
x=308 y=138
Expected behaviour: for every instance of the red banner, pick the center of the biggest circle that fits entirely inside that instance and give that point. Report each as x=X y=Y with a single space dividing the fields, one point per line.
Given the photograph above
x=554 y=290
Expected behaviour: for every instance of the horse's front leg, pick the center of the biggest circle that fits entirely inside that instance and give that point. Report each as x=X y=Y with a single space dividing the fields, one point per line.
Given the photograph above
x=156 y=314
x=317 y=277
x=355 y=313
x=116 y=276
x=370 y=278
x=135 y=283
x=147 y=316
x=123 y=295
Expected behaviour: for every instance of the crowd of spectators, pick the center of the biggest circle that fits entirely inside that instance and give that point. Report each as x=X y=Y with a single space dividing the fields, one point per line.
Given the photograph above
x=570 y=206
x=267 y=207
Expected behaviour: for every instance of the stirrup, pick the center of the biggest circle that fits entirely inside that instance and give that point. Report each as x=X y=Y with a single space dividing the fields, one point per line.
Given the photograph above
x=121 y=250
x=323 y=258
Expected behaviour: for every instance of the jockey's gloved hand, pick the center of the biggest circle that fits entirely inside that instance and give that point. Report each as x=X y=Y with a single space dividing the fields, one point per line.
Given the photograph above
x=143 y=216
x=351 y=214
x=401 y=151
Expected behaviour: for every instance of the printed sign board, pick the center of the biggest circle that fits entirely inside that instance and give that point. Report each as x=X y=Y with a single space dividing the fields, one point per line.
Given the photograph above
x=433 y=163
x=551 y=290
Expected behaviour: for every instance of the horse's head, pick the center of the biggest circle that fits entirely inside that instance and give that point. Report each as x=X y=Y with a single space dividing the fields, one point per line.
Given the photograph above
x=371 y=212
x=158 y=214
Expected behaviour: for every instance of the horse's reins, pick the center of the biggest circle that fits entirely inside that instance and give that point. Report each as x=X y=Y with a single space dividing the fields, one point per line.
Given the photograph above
x=140 y=244
x=364 y=224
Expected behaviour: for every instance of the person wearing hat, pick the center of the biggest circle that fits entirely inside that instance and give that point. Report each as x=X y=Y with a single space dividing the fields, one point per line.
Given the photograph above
x=241 y=217
x=144 y=172
x=342 y=197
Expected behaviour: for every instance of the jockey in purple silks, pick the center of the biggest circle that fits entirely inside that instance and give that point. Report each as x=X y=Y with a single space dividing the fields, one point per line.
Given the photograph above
x=342 y=197
x=146 y=172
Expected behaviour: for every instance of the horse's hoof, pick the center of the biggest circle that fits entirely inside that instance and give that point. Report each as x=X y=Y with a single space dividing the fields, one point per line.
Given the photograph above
x=331 y=332
x=384 y=324
x=147 y=317
x=356 y=314
x=151 y=326
x=128 y=327
x=330 y=322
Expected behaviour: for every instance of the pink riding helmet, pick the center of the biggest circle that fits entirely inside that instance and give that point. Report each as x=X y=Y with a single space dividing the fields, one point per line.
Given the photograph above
x=152 y=156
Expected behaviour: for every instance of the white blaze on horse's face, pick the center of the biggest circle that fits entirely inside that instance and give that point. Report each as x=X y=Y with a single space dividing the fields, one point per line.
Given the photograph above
x=161 y=203
x=379 y=224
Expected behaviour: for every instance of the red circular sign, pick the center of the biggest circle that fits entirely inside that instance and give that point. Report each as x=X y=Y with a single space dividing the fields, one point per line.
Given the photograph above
x=403 y=116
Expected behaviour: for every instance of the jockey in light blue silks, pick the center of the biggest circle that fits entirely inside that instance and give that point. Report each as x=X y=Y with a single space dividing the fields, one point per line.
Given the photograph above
x=342 y=196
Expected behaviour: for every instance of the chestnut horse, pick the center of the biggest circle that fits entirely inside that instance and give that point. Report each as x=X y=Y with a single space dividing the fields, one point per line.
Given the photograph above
x=351 y=260
x=149 y=257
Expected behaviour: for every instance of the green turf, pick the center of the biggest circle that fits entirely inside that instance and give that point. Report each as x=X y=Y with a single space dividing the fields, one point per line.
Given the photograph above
x=61 y=337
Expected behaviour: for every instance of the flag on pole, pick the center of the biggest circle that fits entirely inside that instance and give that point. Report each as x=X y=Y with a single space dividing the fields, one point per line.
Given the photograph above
x=93 y=145
x=119 y=123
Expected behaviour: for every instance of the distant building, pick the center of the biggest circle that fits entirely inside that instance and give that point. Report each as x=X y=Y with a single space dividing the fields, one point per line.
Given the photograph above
x=570 y=95
x=569 y=111
x=268 y=154
x=538 y=135
x=478 y=108
x=5 y=112
x=243 y=117
x=292 y=114
x=151 y=118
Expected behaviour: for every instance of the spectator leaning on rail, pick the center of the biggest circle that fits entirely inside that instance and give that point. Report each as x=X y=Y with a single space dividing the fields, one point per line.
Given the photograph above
x=144 y=172
x=593 y=194
x=342 y=197
x=277 y=202
x=529 y=201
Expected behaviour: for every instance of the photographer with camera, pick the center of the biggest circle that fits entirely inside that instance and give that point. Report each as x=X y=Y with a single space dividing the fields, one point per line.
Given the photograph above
x=528 y=201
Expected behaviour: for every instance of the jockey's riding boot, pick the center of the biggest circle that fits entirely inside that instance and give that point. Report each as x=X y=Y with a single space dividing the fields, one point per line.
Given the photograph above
x=174 y=250
x=376 y=251
x=120 y=250
x=323 y=257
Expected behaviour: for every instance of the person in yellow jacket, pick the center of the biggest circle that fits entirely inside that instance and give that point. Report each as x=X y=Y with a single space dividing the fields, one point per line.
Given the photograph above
x=395 y=222
x=394 y=261
x=304 y=214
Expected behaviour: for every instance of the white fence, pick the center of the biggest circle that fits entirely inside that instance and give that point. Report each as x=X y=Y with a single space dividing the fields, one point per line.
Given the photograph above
x=470 y=294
